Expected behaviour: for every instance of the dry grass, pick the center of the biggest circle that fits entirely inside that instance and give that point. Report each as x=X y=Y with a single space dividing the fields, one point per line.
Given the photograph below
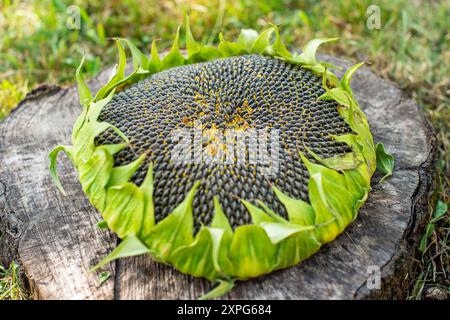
x=11 y=287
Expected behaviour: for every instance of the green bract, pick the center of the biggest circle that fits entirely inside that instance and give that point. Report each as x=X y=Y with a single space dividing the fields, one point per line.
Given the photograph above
x=337 y=186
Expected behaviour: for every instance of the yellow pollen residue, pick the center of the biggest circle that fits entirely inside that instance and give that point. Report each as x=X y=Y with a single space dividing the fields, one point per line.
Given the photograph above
x=239 y=119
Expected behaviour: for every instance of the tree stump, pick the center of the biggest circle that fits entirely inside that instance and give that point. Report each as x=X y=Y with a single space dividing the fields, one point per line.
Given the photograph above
x=56 y=240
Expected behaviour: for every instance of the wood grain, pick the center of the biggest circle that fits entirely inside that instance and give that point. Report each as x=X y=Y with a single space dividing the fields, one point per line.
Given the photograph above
x=56 y=240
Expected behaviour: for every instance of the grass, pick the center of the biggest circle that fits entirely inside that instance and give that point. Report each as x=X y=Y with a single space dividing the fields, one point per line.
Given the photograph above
x=11 y=287
x=411 y=48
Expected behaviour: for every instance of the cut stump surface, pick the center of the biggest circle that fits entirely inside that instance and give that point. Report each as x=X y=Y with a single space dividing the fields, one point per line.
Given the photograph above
x=56 y=240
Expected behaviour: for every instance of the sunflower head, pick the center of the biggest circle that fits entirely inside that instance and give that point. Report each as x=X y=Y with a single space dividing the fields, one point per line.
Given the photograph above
x=228 y=162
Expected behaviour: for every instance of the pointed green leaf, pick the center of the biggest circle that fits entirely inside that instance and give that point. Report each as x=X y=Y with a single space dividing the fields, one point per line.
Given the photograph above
x=339 y=95
x=323 y=213
x=79 y=122
x=192 y=46
x=262 y=42
x=122 y=60
x=84 y=93
x=102 y=224
x=140 y=61
x=155 y=64
x=124 y=209
x=332 y=204
x=299 y=211
x=346 y=161
x=251 y=252
x=330 y=199
x=174 y=58
x=359 y=183
x=84 y=143
x=258 y=215
x=94 y=176
x=271 y=213
x=308 y=55
x=222 y=288
x=219 y=245
x=349 y=139
x=113 y=148
x=97 y=106
x=423 y=244
x=345 y=81
x=279 y=48
x=230 y=49
x=173 y=231
x=118 y=76
x=330 y=174
x=342 y=162
x=122 y=174
x=148 y=221
x=296 y=248
x=385 y=161
x=103 y=126
x=440 y=210
x=279 y=231
x=220 y=220
x=206 y=53
x=53 y=156
x=104 y=276
x=196 y=258
x=247 y=37
x=129 y=247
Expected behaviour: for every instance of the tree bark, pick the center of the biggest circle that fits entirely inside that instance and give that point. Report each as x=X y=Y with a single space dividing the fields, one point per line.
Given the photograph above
x=56 y=240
